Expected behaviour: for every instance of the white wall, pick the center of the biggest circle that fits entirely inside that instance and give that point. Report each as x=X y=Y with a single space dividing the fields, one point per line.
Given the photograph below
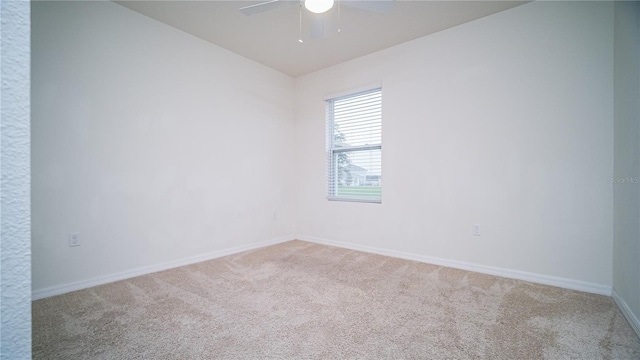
x=505 y=121
x=15 y=274
x=156 y=146
x=626 y=178
x=152 y=144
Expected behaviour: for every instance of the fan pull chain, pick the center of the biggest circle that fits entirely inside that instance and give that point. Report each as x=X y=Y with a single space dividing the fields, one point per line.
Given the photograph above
x=300 y=24
x=338 y=16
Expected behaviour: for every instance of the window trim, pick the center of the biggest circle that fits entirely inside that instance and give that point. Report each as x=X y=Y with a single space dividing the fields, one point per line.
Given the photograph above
x=332 y=151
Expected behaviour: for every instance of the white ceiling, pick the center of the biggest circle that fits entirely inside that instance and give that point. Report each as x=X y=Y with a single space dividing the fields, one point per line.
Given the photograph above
x=271 y=38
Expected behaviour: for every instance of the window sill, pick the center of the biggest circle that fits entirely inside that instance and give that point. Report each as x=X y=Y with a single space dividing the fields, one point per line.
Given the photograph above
x=374 y=201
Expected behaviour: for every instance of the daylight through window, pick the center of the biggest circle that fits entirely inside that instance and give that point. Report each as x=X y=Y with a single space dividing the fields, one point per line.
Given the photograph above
x=354 y=147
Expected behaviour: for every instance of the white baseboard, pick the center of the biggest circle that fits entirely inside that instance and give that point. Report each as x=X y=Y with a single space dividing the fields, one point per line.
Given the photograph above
x=631 y=317
x=507 y=273
x=502 y=272
x=84 y=284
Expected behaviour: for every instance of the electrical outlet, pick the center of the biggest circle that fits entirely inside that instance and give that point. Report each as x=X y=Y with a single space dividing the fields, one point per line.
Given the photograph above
x=74 y=239
x=476 y=229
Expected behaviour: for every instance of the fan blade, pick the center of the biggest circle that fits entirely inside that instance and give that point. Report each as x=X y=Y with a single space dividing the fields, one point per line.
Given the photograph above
x=378 y=6
x=263 y=7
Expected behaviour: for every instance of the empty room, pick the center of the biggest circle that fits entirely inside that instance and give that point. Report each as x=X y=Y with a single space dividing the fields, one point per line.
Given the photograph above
x=368 y=180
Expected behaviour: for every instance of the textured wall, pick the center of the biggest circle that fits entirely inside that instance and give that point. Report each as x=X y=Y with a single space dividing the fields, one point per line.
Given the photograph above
x=15 y=280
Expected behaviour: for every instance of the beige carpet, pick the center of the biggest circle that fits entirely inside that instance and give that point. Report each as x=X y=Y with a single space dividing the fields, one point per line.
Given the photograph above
x=306 y=301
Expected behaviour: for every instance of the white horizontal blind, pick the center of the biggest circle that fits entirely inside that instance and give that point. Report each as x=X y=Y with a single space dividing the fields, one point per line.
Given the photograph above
x=354 y=147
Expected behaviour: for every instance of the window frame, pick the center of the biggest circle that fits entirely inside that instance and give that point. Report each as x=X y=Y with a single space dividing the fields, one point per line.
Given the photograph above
x=333 y=151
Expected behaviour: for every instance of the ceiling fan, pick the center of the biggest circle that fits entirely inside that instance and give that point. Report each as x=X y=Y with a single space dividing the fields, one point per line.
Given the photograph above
x=317 y=30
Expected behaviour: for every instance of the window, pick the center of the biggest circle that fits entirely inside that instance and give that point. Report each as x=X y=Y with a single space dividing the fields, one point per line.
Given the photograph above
x=354 y=147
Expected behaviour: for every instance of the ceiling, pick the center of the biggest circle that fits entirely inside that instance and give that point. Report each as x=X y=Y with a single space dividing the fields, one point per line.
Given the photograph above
x=271 y=38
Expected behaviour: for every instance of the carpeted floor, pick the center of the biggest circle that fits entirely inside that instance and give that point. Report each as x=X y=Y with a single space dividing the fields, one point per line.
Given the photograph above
x=299 y=300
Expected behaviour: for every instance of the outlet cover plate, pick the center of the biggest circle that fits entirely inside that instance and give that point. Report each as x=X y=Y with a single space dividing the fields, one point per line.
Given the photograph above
x=74 y=239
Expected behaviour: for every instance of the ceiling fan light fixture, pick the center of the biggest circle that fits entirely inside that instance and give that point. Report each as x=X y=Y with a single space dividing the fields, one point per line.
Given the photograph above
x=318 y=6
